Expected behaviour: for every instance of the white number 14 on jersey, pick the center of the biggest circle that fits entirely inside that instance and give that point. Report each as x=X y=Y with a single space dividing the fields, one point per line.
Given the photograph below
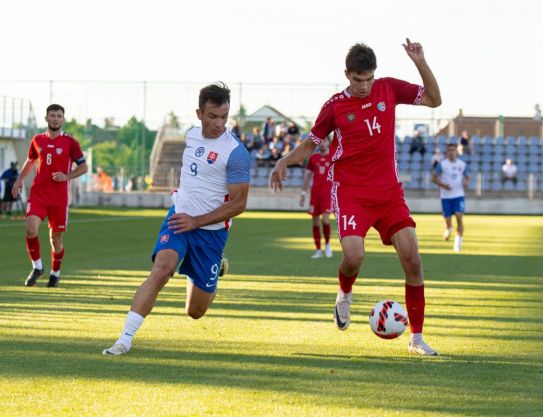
x=373 y=126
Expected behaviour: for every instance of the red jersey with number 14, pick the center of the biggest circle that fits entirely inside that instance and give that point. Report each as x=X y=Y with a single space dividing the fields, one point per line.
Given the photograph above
x=319 y=165
x=53 y=155
x=363 y=147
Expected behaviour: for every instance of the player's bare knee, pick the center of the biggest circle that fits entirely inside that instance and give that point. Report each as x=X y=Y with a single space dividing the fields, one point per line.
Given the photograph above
x=31 y=233
x=353 y=261
x=196 y=312
x=411 y=262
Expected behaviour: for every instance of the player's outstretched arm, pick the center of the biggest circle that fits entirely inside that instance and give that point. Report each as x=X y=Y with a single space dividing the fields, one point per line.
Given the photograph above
x=279 y=173
x=432 y=95
x=237 y=194
x=17 y=185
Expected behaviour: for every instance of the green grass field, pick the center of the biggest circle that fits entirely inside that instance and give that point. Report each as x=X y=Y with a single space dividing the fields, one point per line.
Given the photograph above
x=268 y=345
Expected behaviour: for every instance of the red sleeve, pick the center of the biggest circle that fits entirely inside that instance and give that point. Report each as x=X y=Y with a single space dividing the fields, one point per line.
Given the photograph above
x=75 y=151
x=324 y=123
x=405 y=93
x=33 y=153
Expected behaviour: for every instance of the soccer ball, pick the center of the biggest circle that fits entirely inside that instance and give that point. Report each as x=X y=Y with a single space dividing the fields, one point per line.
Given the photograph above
x=224 y=266
x=388 y=319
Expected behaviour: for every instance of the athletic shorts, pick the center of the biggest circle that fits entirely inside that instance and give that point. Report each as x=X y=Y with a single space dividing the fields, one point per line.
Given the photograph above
x=56 y=215
x=319 y=205
x=453 y=205
x=199 y=250
x=385 y=210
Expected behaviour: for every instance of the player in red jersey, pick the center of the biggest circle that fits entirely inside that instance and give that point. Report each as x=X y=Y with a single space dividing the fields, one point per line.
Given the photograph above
x=55 y=152
x=320 y=203
x=366 y=190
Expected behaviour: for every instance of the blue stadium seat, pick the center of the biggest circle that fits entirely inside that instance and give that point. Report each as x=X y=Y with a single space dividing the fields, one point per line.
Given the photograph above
x=508 y=186
x=511 y=150
x=499 y=141
x=475 y=140
x=296 y=182
x=416 y=157
x=486 y=167
x=534 y=140
x=441 y=140
x=475 y=157
x=259 y=182
x=403 y=165
x=407 y=139
x=487 y=140
x=404 y=147
x=510 y=140
x=430 y=146
x=416 y=166
x=521 y=186
x=497 y=186
x=474 y=167
x=533 y=168
x=522 y=140
x=522 y=168
x=486 y=158
x=522 y=148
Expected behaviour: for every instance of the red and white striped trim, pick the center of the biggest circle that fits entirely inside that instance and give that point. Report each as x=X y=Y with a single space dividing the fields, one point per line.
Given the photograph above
x=420 y=94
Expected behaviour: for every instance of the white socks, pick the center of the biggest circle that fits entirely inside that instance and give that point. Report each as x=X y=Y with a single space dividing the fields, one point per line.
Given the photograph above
x=131 y=326
x=55 y=273
x=457 y=243
x=415 y=337
x=37 y=264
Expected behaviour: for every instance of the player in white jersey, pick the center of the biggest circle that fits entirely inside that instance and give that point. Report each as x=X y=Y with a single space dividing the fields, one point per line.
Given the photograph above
x=213 y=188
x=451 y=175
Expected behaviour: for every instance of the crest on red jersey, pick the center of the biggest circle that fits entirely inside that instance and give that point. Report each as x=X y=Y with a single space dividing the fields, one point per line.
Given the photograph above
x=212 y=157
x=351 y=117
x=58 y=150
x=381 y=106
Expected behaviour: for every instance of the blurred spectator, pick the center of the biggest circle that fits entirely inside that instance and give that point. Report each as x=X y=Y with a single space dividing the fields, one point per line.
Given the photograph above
x=262 y=156
x=8 y=177
x=103 y=182
x=276 y=143
x=464 y=147
x=268 y=130
x=281 y=130
x=437 y=157
x=509 y=172
x=275 y=155
x=417 y=144
x=293 y=131
x=236 y=129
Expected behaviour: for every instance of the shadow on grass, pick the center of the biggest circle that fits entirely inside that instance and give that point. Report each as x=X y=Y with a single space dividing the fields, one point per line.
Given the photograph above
x=489 y=386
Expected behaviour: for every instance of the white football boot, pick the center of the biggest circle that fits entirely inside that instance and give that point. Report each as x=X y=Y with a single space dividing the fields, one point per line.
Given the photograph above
x=317 y=254
x=421 y=348
x=115 y=350
x=328 y=250
x=342 y=310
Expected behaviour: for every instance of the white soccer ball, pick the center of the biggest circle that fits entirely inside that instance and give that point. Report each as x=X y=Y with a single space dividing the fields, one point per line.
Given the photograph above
x=388 y=319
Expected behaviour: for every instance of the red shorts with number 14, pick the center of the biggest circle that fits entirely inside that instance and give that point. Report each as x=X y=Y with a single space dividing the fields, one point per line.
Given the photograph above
x=357 y=208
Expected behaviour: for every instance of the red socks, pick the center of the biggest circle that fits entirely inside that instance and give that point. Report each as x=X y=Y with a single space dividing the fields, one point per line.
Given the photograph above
x=317 y=237
x=346 y=283
x=326 y=230
x=33 y=248
x=415 y=302
x=56 y=260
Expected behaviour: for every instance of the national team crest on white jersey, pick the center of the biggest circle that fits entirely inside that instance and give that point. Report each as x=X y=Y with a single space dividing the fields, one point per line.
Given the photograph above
x=212 y=157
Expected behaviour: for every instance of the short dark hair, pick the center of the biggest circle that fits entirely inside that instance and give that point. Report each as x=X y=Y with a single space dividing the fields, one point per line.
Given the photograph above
x=452 y=145
x=54 y=107
x=360 y=58
x=218 y=93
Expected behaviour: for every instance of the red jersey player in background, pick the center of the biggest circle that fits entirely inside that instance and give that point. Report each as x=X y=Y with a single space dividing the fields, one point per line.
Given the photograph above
x=55 y=152
x=320 y=203
x=366 y=190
